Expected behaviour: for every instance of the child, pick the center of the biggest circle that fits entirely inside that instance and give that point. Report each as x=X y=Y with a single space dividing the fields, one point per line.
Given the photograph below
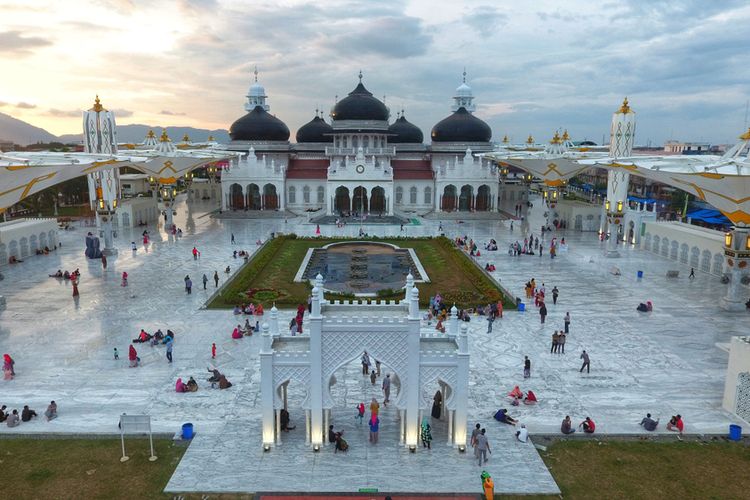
x=360 y=412
x=213 y=350
x=117 y=355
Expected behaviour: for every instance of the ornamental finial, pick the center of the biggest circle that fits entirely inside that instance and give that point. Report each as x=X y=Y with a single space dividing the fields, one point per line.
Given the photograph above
x=164 y=137
x=530 y=140
x=746 y=135
x=97 y=105
x=360 y=76
x=565 y=136
x=555 y=139
x=505 y=139
x=464 y=74
x=625 y=108
x=185 y=138
x=150 y=134
x=256 y=73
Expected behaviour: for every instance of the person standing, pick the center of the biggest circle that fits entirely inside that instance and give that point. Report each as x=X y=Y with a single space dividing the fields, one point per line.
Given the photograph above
x=196 y=253
x=586 y=362
x=387 y=388
x=213 y=350
x=205 y=280
x=542 y=312
x=365 y=364
x=104 y=261
x=692 y=273
x=216 y=278
x=490 y=320
x=74 y=282
x=561 y=343
x=170 y=343
x=567 y=322
x=426 y=434
x=483 y=447
x=555 y=293
x=188 y=285
x=526 y=367
x=555 y=342
x=374 y=427
x=473 y=441
x=232 y=239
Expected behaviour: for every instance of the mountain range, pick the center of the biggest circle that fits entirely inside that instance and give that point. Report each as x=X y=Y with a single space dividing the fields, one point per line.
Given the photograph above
x=19 y=132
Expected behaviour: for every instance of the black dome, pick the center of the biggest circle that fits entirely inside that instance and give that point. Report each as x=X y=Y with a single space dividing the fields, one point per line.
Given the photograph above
x=259 y=125
x=360 y=105
x=316 y=130
x=461 y=126
x=405 y=132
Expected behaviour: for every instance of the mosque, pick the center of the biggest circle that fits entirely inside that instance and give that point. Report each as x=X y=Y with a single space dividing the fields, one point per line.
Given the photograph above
x=361 y=162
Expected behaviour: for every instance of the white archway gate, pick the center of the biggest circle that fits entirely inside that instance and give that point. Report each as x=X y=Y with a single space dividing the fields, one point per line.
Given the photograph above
x=339 y=333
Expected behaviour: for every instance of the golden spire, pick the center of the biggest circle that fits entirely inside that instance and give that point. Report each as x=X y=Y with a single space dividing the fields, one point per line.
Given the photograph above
x=210 y=138
x=530 y=140
x=97 y=105
x=565 y=136
x=185 y=138
x=505 y=139
x=746 y=135
x=164 y=137
x=555 y=139
x=625 y=108
x=150 y=134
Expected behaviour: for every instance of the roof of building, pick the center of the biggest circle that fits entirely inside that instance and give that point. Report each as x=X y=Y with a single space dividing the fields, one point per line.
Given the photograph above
x=307 y=169
x=411 y=169
x=316 y=130
x=259 y=125
x=360 y=105
x=461 y=126
x=405 y=132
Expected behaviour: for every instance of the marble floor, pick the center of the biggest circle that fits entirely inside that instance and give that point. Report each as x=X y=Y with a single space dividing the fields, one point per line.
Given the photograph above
x=664 y=362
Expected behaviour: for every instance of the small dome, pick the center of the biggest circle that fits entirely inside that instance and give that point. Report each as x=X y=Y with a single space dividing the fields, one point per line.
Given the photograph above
x=259 y=125
x=464 y=90
x=405 y=131
x=461 y=126
x=256 y=90
x=316 y=130
x=360 y=105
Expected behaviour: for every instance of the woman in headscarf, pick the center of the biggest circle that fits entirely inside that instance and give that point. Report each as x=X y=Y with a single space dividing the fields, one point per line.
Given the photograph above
x=180 y=386
x=374 y=409
x=9 y=366
x=133 y=356
x=426 y=433
x=437 y=404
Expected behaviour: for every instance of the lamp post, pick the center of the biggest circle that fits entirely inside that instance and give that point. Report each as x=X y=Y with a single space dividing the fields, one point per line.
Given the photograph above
x=614 y=212
x=168 y=193
x=188 y=180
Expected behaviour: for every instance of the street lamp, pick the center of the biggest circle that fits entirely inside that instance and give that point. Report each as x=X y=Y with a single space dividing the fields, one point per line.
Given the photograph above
x=606 y=205
x=728 y=240
x=619 y=207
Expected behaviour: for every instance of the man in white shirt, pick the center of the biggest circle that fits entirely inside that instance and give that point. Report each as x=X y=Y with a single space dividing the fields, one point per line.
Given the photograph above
x=522 y=434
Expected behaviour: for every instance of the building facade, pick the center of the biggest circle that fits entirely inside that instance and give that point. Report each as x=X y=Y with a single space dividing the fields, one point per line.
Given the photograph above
x=361 y=163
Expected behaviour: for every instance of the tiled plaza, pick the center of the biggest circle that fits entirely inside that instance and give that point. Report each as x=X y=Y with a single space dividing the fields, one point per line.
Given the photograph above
x=665 y=362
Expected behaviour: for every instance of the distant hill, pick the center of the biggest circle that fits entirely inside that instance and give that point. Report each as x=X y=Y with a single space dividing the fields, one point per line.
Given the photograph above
x=136 y=133
x=20 y=132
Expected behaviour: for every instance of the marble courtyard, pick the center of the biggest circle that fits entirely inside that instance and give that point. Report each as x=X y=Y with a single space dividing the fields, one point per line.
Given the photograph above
x=670 y=361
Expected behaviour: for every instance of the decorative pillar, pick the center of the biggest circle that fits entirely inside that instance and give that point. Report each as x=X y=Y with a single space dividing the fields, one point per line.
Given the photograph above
x=316 y=364
x=450 y=427
x=401 y=427
x=278 y=427
x=454 y=321
x=274 y=321
x=326 y=420
x=462 y=388
x=307 y=426
x=286 y=387
x=737 y=254
x=622 y=136
x=266 y=386
x=412 y=380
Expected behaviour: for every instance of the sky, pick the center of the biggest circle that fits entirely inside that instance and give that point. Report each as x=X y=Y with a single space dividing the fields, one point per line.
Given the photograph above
x=534 y=67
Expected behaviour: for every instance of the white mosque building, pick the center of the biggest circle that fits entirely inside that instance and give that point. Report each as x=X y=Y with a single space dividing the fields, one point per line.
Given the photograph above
x=361 y=163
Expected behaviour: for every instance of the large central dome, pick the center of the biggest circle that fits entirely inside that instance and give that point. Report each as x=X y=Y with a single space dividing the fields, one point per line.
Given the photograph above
x=360 y=105
x=461 y=126
x=259 y=125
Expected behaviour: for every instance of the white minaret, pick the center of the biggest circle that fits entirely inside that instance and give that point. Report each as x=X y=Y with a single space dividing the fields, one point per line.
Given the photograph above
x=464 y=97
x=256 y=95
x=622 y=136
x=100 y=136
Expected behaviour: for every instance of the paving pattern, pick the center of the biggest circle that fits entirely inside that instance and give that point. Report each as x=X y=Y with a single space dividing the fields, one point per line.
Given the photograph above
x=664 y=362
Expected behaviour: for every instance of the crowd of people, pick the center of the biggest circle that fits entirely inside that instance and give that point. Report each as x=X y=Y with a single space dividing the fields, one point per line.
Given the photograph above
x=13 y=419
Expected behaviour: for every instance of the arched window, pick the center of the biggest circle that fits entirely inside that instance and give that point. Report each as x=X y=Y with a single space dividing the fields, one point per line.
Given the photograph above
x=399 y=195
x=292 y=194
x=366 y=141
x=355 y=141
x=321 y=194
x=413 y=195
x=306 y=194
x=428 y=195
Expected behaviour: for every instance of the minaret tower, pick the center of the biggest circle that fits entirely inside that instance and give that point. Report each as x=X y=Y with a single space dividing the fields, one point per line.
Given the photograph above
x=464 y=97
x=256 y=95
x=622 y=136
x=100 y=137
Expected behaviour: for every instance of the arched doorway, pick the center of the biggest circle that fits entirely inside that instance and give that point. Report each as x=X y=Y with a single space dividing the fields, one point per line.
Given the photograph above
x=236 y=199
x=359 y=200
x=292 y=395
x=449 y=203
x=465 y=200
x=270 y=198
x=342 y=202
x=377 y=200
x=484 y=199
x=253 y=197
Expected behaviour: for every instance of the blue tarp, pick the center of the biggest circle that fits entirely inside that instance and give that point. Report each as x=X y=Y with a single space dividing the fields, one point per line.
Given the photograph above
x=709 y=216
x=648 y=201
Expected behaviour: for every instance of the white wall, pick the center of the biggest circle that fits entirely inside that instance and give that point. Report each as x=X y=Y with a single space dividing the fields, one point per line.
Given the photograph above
x=21 y=238
x=695 y=246
x=579 y=216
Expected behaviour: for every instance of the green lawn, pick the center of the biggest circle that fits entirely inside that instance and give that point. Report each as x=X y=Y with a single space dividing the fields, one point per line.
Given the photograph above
x=85 y=468
x=270 y=274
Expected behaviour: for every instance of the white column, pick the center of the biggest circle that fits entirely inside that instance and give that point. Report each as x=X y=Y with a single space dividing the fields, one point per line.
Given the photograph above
x=450 y=427
x=286 y=386
x=316 y=364
x=307 y=426
x=278 y=427
x=454 y=321
x=266 y=387
x=274 y=325
x=326 y=423
x=413 y=383
x=401 y=427
x=462 y=388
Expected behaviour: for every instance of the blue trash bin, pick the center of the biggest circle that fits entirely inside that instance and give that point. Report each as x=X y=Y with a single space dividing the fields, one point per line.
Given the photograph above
x=187 y=431
x=735 y=432
x=521 y=307
x=640 y=274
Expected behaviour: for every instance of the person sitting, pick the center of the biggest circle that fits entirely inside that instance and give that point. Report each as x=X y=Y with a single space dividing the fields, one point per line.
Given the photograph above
x=237 y=332
x=3 y=415
x=439 y=326
x=51 y=412
x=58 y=274
x=341 y=444
x=180 y=386
x=675 y=424
x=13 y=420
x=234 y=254
x=224 y=383
x=502 y=416
x=46 y=250
x=516 y=393
x=588 y=426
x=649 y=306
x=259 y=310
x=649 y=423
x=27 y=413
x=566 y=427
x=227 y=270
x=331 y=434
x=66 y=275
x=284 y=419
x=142 y=337
x=192 y=385
x=157 y=337
x=237 y=310
x=215 y=375
x=530 y=398
x=522 y=434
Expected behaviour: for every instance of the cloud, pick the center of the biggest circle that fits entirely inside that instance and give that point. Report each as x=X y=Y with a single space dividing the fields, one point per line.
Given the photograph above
x=15 y=43
x=171 y=113
x=64 y=114
x=25 y=105
x=397 y=37
x=485 y=19
x=122 y=113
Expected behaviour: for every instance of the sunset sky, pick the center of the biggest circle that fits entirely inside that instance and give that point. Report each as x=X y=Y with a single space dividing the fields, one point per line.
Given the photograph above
x=534 y=66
